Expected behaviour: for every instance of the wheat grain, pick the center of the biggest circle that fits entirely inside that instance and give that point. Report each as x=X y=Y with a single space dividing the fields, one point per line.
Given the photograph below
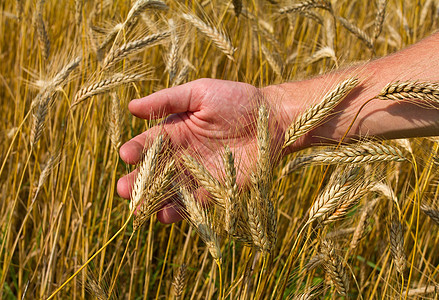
x=217 y=36
x=134 y=47
x=315 y=114
x=104 y=86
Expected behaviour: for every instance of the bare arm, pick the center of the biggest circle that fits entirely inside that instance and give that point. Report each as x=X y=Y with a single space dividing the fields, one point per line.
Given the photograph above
x=379 y=118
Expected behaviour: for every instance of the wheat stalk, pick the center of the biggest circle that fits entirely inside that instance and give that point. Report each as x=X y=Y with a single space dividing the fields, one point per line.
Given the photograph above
x=133 y=47
x=104 y=86
x=315 y=114
x=406 y=90
x=218 y=37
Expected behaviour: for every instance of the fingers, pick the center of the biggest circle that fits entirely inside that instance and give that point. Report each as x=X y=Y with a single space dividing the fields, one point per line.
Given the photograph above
x=170 y=213
x=165 y=102
x=131 y=152
x=125 y=184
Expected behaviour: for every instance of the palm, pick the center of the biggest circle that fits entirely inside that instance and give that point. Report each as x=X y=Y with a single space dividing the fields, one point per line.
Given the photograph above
x=203 y=117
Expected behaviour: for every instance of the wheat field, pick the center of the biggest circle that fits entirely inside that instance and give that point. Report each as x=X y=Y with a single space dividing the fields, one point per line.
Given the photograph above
x=359 y=221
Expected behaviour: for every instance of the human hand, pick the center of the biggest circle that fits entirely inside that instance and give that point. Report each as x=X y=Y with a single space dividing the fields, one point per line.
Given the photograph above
x=202 y=117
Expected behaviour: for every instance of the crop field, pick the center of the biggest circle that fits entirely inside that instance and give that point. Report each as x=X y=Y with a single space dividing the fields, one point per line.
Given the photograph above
x=333 y=221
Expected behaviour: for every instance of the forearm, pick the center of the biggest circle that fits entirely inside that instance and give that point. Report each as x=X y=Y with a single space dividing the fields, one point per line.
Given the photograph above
x=379 y=118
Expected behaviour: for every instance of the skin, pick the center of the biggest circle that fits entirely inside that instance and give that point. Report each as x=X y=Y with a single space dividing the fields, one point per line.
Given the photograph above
x=205 y=115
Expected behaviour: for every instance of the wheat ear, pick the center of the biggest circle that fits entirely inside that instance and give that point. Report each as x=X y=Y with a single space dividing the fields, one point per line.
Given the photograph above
x=273 y=60
x=355 y=30
x=43 y=37
x=173 y=54
x=334 y=267
x=115 y=121
x=406 y=90
x=217 y=37
x=206 y=180
x=338 y=188
x=359 y=190
x=379 y=19
x=362 y=224
x=359 y=153
x=133 y=47
x=179 y=282
x=199 y=218
x=146 y=172
x=138 y=7
x=397 y=246
x=306 y=5
x=431 y=212
x=315 y=114
x=104 y=86
x=231 y=189
x=257 y=226
x=237 y=7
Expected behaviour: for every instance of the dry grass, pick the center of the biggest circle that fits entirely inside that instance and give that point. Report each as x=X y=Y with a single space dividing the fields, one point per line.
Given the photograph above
x=59 y=164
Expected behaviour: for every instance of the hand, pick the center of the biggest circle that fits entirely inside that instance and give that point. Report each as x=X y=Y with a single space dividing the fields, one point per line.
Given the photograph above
x=202 y=117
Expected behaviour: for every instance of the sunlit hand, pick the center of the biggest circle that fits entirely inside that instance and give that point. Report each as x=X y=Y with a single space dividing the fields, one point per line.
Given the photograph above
x=202 y=117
